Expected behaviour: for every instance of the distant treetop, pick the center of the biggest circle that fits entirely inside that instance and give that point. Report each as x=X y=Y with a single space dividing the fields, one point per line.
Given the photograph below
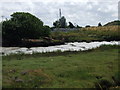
x=99 y=24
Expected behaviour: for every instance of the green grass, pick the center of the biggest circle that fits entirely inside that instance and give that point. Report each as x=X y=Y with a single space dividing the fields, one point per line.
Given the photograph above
x=60 y=70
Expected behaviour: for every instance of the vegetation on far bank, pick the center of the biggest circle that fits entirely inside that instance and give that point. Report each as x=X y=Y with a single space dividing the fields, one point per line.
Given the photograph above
x=25 y=29
x=103 y=33
x=97 y=68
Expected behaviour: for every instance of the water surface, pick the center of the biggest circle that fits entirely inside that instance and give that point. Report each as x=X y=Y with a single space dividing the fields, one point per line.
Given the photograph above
x=76 y=46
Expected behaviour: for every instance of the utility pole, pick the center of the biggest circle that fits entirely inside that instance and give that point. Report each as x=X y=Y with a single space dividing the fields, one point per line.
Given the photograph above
x=60 y=12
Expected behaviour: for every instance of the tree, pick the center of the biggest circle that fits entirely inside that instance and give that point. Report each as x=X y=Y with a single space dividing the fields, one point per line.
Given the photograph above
x=46 y=31
x=10 y=33
x=99 y=24
x=56 y=24
x=23 y=25
x=71 y=25
x=87 y=26
x=62 y=22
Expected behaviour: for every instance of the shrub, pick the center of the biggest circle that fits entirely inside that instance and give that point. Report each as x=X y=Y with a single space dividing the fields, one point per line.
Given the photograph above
x=103 y=84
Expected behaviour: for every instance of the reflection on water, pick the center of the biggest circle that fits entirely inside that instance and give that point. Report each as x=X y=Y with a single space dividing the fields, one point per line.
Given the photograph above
x=76 y=46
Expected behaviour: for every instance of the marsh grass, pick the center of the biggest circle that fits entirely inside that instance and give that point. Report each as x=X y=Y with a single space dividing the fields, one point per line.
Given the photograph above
x=107 y=33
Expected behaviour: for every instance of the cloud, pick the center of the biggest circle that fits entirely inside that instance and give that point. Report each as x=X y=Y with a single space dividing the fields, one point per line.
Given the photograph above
x=81 y=12
x=60 y=1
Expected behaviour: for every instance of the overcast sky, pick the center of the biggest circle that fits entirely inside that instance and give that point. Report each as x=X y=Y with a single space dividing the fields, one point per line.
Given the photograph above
x=81 y=12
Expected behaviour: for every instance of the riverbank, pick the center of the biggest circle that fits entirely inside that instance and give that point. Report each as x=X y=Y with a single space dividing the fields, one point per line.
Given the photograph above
x=89 y=34
x=61 y=69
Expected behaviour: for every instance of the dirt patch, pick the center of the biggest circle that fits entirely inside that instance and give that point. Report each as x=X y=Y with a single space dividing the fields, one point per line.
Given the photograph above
x=44 y=78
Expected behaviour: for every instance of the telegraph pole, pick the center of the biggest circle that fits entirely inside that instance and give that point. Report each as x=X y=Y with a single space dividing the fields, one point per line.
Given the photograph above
x=60 y=12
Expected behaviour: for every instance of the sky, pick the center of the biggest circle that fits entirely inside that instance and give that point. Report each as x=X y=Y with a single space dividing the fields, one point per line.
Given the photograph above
x=79 y=12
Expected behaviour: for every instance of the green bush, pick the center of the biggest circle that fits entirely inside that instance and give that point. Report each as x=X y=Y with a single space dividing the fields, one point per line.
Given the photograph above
x=23 y=25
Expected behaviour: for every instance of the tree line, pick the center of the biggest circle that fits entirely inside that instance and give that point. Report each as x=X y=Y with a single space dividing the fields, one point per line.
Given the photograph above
x=61 y=23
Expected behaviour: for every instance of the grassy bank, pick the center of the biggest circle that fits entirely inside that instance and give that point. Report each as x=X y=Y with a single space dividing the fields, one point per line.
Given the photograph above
x=61 y=70
x=104 y=33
